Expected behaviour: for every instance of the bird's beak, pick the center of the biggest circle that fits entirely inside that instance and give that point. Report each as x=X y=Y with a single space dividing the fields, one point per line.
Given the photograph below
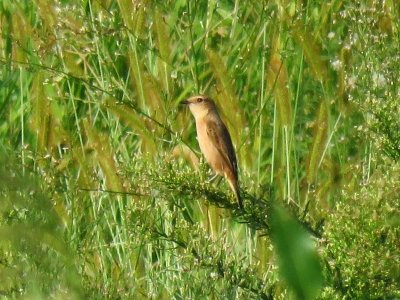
x=185 y=102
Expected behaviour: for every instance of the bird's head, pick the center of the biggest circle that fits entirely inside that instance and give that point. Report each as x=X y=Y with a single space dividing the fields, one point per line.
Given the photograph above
x=199 y=105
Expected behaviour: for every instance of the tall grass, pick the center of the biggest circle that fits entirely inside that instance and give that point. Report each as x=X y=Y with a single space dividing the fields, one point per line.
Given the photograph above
x=104 y=191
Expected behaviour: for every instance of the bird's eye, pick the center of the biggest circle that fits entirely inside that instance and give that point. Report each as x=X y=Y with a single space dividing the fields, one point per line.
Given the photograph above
x=199 y=100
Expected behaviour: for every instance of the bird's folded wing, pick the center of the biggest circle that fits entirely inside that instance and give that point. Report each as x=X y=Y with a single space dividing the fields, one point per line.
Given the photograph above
x=221 y=139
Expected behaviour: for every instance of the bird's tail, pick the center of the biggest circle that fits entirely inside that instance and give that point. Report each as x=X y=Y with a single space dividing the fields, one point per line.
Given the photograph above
x=234 y=184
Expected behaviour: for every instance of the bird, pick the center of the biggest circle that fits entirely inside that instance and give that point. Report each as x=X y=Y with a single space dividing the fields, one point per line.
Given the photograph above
x=215 y=141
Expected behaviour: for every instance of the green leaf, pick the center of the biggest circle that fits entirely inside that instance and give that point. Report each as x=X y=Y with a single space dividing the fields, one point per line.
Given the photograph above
x=297 y=258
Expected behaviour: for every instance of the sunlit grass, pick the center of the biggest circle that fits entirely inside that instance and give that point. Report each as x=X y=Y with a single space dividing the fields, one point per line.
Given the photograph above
x=104 y=192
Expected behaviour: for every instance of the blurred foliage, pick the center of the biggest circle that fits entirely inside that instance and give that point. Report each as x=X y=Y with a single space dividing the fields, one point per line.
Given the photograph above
x=298 y=260
x=373 y=83
x=362 y=238
x=104 y=193
x=34 y=259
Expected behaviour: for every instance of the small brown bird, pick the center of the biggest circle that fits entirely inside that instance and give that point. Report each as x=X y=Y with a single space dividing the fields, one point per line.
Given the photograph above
x=215 y=141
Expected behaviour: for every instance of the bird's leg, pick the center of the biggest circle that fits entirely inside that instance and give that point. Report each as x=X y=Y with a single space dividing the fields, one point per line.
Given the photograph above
x=214 y=178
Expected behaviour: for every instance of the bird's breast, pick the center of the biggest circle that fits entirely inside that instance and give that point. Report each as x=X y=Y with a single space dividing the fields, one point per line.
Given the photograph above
x=207 y=147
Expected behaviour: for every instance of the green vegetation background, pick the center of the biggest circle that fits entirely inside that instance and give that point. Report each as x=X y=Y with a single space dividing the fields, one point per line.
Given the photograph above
x=103 y=193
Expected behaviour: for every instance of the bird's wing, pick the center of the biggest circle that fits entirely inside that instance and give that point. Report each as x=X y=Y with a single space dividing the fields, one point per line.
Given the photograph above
x=221 y=139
